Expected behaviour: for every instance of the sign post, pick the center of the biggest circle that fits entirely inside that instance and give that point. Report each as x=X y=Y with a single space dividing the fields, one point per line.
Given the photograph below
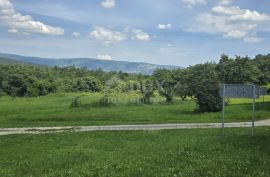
x=253 y=110
x=223 y=108
x=239 y=91
x=263 y=91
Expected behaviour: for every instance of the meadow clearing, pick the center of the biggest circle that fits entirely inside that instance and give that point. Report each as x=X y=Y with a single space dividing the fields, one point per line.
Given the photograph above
x=54 y=110
x=197 y=152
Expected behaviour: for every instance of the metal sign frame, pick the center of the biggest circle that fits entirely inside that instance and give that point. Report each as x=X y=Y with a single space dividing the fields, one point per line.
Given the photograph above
x=236 y=93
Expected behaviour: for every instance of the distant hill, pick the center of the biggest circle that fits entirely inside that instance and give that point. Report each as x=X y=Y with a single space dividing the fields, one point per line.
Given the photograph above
x=8 y=61
x=92 y=64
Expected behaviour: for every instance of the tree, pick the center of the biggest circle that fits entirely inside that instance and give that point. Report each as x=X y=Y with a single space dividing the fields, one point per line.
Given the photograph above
x=225 y=70
x=2 y=77
x=263 y=64
x=116 y=84
x=88 y=84
x=165 y=83
x=204 y=85
x=147 y=90
x=240 y=70
x=15 y=85
x=181 y=77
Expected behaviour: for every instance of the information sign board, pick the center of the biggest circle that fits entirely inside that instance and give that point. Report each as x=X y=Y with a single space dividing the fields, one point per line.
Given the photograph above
x=239 y=91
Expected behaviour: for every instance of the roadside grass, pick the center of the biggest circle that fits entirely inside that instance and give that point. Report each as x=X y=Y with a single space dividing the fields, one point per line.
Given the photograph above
x=54 y=110
x=166 y=153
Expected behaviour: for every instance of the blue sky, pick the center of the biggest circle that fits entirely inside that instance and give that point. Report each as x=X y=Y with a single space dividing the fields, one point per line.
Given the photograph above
x=174 y=32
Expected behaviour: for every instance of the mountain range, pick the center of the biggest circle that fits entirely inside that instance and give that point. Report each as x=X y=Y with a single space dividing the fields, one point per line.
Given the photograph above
x=89 y=63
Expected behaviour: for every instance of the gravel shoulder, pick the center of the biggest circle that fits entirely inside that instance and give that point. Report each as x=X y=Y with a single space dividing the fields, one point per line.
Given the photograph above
x=42 y=130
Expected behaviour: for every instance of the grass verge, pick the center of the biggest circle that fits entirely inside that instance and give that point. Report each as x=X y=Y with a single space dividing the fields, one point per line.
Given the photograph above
x=200 y=152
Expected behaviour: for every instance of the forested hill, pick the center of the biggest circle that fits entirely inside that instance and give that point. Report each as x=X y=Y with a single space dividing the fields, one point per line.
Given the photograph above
x=92 y=64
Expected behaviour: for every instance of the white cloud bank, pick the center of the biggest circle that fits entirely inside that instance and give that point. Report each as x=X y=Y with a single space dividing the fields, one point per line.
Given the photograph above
x=24 y=23
x=106 y=35
x=108 y=4
x=109 y=36
x=232 y=22
x=104 y=57
x=191 y=3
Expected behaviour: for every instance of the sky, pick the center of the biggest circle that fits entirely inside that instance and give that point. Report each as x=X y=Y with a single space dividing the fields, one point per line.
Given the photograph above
x=171 y=32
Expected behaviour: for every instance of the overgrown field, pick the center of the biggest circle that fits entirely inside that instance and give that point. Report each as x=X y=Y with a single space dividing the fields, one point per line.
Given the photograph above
x=54 y=110
x=138 y=153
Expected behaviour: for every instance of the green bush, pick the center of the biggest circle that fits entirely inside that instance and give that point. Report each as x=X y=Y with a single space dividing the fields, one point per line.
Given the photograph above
x=204 y=85
x=75 y=102
x=147 y=91
x=105 y=100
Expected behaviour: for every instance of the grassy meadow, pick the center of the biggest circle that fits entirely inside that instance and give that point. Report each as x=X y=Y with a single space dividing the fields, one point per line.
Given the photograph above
x=54 y=110
x=167 y=153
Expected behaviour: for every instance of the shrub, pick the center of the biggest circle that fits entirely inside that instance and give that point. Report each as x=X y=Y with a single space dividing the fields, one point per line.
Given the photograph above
x=87 y=84
x=75 y=102
x=204 y=85
x=115 y=84
x=147 y=91
x=105 y=100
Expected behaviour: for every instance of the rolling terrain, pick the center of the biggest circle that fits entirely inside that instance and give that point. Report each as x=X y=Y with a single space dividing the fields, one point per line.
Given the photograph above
x=92 y=64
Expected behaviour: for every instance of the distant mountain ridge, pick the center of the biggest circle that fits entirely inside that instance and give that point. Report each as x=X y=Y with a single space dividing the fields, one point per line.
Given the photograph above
x=92 y=64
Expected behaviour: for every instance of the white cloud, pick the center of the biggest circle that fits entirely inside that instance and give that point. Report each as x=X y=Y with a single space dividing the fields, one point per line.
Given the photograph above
x=108 y=4
x=106 y=35
x=109 y=36
x=76 y=34
x=140 y=35
x=191 y=3
x=231 y=22
x=237 y=34
x=25 y=23
x=17 y=32
x=164 y=26
x=252 y=39
x=240 y=14
x=250 y=16
x=225 y=2
x=233 y=10
x=13 y=31
x=104 y=57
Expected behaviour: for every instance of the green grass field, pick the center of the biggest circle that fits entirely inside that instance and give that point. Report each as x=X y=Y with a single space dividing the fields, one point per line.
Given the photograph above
x=54 y=110
x=169 y=153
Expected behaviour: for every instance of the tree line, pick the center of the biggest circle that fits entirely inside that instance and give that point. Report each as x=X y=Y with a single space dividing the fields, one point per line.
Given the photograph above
x=201 y=81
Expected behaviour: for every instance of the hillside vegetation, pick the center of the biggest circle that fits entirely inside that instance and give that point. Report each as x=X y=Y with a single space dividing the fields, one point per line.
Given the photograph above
x=200 y=82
